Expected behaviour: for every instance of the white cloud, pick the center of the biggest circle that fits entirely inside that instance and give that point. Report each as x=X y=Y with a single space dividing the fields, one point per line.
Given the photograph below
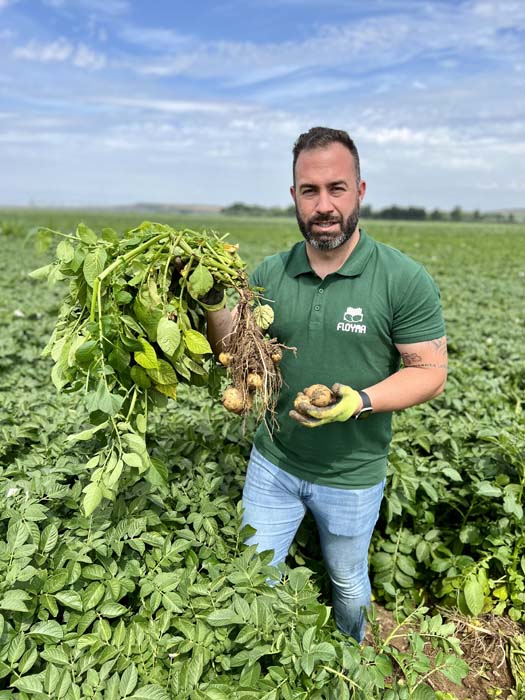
x=405 y=136
x=431 y=135
x=110 y=7
x=364 y=45
x=59 y=51
x=86 y=58
x=506 y=13
x=175 y=106
x=512 y=186
x=160 y=38
x=105 y=7
x=24 y=138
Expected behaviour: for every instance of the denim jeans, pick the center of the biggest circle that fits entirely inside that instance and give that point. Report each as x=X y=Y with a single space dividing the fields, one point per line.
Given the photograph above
x=275 y=503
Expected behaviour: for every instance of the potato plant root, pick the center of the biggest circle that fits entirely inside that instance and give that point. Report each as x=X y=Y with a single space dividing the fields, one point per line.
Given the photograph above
x=250 y=353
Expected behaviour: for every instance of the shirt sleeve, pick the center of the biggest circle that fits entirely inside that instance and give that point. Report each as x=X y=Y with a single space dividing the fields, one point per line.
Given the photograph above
x=418 y=314
x=258 y=277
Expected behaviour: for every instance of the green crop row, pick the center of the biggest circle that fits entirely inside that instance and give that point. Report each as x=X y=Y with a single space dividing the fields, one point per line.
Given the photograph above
x=155 y=596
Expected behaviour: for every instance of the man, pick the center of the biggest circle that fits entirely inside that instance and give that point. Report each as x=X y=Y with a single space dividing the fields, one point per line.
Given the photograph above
x=353 y=308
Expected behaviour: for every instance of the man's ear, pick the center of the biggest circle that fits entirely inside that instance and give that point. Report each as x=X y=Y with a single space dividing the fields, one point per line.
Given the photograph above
x=361 y=191
x=292 y=192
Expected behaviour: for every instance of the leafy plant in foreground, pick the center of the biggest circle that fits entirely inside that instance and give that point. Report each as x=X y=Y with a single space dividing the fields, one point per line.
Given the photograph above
x=130 y=329
x=155 y=596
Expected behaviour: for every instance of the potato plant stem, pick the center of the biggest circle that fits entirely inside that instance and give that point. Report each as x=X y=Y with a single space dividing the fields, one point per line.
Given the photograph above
x=344 y=677
x=114 y=265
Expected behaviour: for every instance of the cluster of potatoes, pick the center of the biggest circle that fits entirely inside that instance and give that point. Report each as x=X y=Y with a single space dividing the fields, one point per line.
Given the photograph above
x=239 y=398
x=237 y=401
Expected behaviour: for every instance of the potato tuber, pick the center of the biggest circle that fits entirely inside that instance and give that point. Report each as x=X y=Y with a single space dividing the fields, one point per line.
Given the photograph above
x=319 y=395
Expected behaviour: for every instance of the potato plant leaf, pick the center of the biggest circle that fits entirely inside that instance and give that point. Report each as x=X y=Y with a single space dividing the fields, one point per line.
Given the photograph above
x=474 y=596
x=48 y=631
x=15 y=599
x=424 y=692
x=88 y=433
x=196 y=342
x=31 y=684
x=168 y=336
x=86 y=235
x=93 y=497
x=169 y=390
x=200 y=281
x=65 y=251
x=150 y=692
x=103 y=400
x=94 y=263
x=128 y=681
x=140 y=377
x=163 y=373
x=263 y=315
x=147 y=357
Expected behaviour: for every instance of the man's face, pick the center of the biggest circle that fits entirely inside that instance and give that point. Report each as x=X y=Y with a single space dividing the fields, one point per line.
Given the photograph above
x=326 y=195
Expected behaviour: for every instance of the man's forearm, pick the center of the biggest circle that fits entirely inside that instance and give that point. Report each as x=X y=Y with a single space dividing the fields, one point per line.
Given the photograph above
x=407 y=387
x=219 y=326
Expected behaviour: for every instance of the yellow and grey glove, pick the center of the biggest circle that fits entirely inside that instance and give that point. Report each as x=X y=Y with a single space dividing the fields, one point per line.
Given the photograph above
x=214 y=300
x=347 y=403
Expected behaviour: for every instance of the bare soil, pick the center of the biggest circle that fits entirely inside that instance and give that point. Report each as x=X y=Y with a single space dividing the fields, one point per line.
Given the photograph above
x=485 y=643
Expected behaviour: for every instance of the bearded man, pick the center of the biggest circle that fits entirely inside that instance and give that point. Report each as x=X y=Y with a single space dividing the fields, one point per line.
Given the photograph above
x=364 y=318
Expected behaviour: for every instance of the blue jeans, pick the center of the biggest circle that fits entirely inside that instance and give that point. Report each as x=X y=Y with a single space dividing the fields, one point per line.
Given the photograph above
x=275 y=503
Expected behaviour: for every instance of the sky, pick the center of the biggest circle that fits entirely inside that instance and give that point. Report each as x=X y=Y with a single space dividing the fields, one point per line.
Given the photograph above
x=112 y=102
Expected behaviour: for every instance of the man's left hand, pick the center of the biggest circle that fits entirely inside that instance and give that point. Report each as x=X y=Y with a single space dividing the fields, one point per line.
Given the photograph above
x=348 y=402
x=214 y=300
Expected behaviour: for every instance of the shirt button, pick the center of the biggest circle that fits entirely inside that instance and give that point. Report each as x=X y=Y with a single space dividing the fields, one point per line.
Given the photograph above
x=321 y=291
x=317 y=308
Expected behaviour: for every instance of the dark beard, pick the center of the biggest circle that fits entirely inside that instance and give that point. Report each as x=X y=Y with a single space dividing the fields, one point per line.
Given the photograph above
x=329 y=243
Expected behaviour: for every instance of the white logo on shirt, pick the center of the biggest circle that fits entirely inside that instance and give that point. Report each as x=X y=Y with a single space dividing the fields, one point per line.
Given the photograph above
x=352 y=321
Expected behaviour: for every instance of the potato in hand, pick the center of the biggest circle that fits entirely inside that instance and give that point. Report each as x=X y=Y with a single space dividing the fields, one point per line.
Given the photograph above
x=319 y=395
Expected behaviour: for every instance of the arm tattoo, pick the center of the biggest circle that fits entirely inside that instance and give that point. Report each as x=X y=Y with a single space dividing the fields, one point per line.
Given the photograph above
x=410 y=358
x=429 y=364
x=441 y=345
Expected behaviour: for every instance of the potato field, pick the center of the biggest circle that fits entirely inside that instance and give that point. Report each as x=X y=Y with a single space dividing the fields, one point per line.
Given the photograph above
x=150 y=593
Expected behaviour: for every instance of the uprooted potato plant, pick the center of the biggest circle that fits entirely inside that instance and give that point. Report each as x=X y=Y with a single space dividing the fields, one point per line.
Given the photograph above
x=131 y=328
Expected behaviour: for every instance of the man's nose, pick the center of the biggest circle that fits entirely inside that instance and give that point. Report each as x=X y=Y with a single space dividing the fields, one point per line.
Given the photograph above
x=324 y=202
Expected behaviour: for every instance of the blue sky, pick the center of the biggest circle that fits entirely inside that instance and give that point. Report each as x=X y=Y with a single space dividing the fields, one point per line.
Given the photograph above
x=118 y=101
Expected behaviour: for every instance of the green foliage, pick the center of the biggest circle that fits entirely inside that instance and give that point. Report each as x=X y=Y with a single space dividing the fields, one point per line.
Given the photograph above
x=129 y=330
x=155 y=596
x=452 y=526
x=517 y=664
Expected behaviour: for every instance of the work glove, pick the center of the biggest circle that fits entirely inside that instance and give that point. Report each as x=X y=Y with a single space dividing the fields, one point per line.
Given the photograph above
x=214 y=300
x=347 y=403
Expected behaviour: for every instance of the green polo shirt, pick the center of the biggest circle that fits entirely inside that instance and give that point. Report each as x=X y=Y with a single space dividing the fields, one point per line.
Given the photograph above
x=344 y=328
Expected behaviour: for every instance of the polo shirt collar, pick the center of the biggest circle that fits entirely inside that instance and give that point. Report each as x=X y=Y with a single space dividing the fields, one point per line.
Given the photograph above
x=298 y=263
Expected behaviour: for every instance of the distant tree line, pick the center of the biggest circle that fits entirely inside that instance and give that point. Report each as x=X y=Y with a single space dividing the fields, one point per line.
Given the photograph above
x=393 y=212
x=241 y=209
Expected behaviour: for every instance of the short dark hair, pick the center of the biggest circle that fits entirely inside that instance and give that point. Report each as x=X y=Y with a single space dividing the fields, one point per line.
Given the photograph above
x=322 y=136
